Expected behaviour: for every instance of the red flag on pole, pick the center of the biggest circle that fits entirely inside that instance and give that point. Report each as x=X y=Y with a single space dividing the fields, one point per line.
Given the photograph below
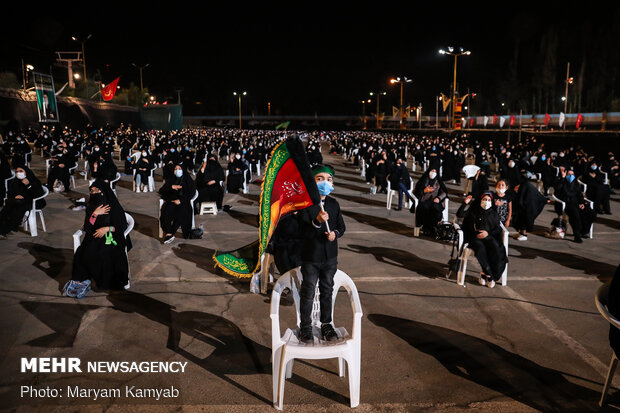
x=109 y=91
x=471 y=122
x=494 y=119
x=547 y=119
x=512 y=120
x=579 y=120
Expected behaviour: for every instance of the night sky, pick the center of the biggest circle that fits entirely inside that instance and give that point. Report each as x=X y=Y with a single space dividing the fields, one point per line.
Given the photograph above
x=318 y=57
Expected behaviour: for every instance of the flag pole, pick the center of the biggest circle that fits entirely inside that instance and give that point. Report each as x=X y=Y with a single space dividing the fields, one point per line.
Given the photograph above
x=323 y=210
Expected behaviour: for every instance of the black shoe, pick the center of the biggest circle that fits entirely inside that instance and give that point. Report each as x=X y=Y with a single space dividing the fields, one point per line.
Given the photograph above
x=578 y=240
x=168 y=239
x=305 y=335
x=412 y=209
x=607 y=212
x=329 y=334
x=399 y=209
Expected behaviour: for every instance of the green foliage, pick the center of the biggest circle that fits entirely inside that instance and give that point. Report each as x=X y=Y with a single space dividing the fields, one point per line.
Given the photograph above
x=131 y=96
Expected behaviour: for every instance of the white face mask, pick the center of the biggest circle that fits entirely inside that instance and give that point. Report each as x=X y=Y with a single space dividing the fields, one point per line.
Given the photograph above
x=178 y=173
x=502 y=191
x=20 y=175
x=511 y=164
x=485 y=204
x=432 y=175
x=237 y=156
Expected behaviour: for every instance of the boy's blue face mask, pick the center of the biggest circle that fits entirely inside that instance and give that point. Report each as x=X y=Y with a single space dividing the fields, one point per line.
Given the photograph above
x=570 y=178
x=325 y=188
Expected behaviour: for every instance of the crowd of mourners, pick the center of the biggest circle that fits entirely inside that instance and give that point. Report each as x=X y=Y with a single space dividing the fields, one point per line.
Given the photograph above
x=526 y=175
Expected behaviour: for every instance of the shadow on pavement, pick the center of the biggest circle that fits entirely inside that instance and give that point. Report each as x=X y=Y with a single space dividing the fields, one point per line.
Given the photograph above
x=491 y=366
x=402 y=259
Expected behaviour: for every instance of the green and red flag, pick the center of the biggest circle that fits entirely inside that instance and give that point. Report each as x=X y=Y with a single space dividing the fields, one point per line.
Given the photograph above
x=288 y=186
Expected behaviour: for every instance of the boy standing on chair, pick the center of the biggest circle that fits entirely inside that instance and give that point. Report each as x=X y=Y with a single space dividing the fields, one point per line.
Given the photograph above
x=320 y=228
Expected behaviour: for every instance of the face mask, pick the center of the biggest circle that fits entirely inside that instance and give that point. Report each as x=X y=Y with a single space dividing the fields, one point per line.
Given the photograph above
x=570 y=178
x=561 y=155
x=20 y=175
x=456 y=152
x=544 y=158
x=237 y=156
x=325 y=188
x=483 y=153
x=485 y=204
x=96 y=149
x=593 y=167
x=172 y=150
x=178 y=173
x=70 y=144
x=143 y=153
x=511 y=164
x=432 y=175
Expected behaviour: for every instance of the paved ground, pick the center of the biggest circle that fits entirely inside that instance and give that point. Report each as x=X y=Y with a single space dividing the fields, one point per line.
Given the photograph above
x=538 y=344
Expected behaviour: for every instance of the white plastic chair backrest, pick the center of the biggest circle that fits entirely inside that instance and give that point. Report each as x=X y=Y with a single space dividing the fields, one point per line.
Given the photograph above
x=470 y=170
x=130 y=224
x=533 y=159
x=6 y=184
x=45 y=193
x=601 y=300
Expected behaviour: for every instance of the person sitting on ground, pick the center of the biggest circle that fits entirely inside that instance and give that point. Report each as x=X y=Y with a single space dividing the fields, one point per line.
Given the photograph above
x=176 y=211
x=483 y=232
x=101 y=256
x=430 y=191
x=22 y=190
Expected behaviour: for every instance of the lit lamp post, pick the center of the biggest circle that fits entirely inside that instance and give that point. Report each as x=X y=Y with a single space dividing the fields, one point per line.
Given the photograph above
x=401 y=81
x=75 y=39
x=25 y=70
x=364 y=111
x=378 y=94
x=240 y=94
x=569 y=80
x=451 y=52
x=140 y=69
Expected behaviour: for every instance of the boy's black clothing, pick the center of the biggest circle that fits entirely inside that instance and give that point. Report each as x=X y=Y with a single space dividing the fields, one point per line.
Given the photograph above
x=319 y=259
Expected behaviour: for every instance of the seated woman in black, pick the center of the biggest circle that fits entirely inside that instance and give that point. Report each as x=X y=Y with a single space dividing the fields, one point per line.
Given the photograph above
x=101 y=256
x=430 y=191
x=177 y=193
x=21 y=191
x=483 y=232
x=143 y=168
x=236 y=172
x=208 y=181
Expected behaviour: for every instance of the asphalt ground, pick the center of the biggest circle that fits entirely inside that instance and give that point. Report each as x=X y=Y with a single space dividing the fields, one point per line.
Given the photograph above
x=428 y=344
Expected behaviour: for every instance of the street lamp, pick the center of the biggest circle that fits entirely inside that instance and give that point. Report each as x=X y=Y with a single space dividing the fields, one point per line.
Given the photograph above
x=140 y=69
x=75 y=39
x=378 y=94
x=240 y=94
x=402 y=81
x=364 y=111
x=456 y=54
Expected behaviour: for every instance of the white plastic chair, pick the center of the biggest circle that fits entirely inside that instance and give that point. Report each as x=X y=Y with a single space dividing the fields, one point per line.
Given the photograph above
x=601 y=300
x=563 y=207
x=161 y=203
x=416 y=228
x=30 y=219
x=208 y=208
x=6 y=185
x=71 y=174
x=363 y=168
x=391 y=192
x=465 y=253
x=77 y=241
x=286 y=348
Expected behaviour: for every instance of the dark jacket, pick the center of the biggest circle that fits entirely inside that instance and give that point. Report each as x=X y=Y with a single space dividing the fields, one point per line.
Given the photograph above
x=315 y=246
